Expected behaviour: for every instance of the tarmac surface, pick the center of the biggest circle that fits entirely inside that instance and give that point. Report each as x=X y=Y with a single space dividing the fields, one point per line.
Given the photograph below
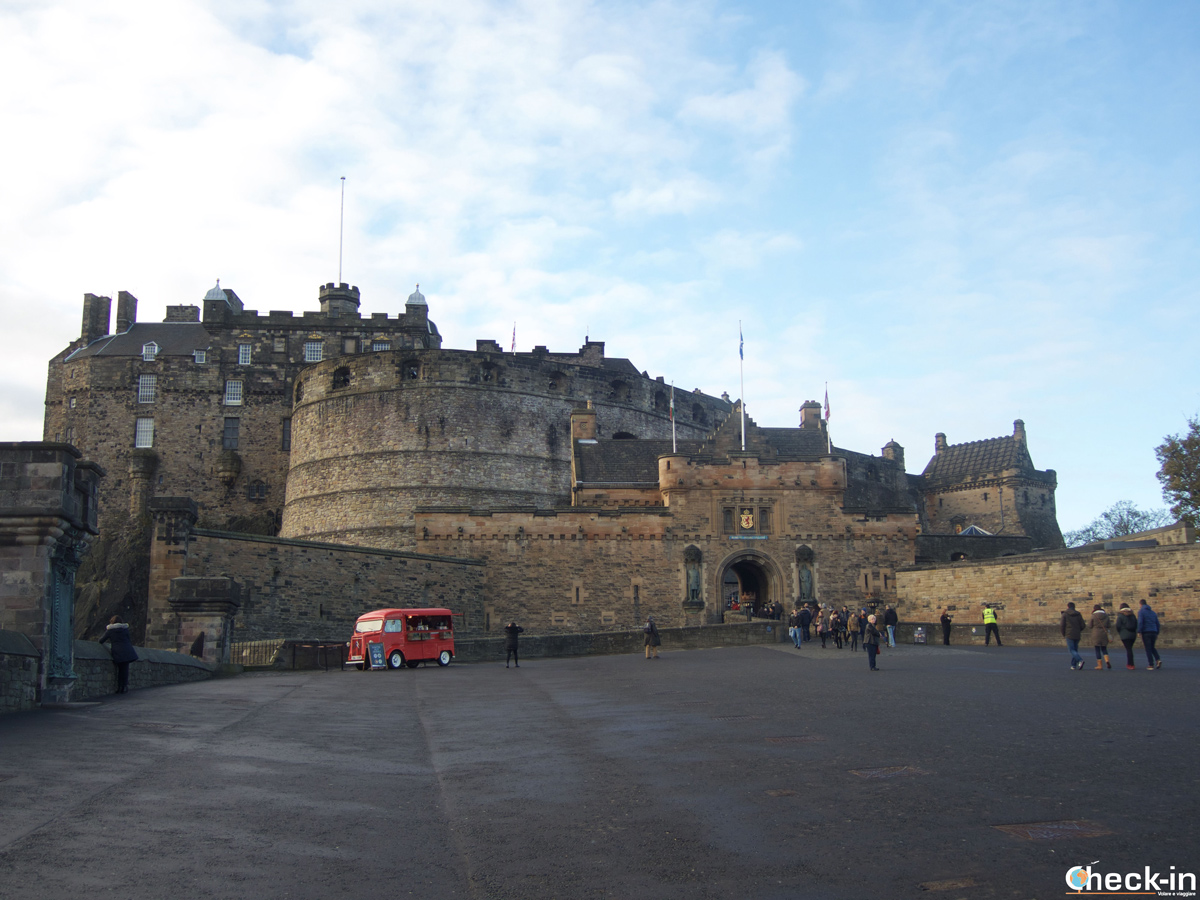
x=741 y=772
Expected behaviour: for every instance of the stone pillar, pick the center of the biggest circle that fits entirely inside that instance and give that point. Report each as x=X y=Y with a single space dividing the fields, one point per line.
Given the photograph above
x=47 y=521
x=172 y=521
x=205 y=606
x=583 y=423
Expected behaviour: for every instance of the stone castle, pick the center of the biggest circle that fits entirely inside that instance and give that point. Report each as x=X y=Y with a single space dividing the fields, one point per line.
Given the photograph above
x=300 y=457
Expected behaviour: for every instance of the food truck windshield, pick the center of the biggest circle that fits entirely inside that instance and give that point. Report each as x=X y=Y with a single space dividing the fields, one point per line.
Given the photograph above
x=366 y=626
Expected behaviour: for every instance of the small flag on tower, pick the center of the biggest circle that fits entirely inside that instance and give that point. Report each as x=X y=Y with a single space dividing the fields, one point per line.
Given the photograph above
x=741 y=343
x=827 y=401
x=514 y=342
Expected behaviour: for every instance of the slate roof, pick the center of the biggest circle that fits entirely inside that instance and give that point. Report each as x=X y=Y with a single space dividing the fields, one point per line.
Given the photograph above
x=624 y=462
x=795 y=442
x=960 y=461
x=173 y=339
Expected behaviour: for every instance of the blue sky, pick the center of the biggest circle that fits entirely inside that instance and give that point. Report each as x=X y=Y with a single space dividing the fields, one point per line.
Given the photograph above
x=956 y=214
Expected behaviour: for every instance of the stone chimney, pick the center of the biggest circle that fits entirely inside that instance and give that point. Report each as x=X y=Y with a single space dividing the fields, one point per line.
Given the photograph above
x=810 y=414
x=583 y=423
x=96 y=314
x=939 y=443
x=126 y=310
x=1019 y=431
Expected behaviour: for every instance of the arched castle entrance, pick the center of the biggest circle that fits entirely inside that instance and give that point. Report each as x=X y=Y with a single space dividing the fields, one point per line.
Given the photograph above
x=752 y=578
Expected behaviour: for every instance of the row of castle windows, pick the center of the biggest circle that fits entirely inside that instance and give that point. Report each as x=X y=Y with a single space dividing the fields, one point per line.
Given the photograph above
x=143 y=433
x=314 y=351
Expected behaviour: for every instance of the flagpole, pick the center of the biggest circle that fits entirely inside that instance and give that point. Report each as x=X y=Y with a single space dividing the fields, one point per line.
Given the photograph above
x=742 y=373
x=674 y=449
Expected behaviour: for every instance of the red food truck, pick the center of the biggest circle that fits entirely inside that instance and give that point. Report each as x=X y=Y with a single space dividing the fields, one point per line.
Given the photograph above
x=402 y=637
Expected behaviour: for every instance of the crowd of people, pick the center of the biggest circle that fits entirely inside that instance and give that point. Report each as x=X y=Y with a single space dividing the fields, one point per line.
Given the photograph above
x=1129 y=627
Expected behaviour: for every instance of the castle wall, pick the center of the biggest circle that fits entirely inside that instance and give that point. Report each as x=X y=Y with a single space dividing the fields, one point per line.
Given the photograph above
x=1011 y=502
x=375 y=437
x=301 y=589
x=1035 y=589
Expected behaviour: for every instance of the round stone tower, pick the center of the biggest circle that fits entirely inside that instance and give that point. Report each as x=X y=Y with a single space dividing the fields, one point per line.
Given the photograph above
x=376 y=435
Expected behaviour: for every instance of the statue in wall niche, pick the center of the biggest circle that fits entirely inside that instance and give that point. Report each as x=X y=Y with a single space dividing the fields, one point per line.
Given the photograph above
x=806 y=583
x=691 y=559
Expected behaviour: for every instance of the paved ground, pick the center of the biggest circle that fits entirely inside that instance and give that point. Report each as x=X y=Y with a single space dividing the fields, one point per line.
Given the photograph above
x=710 y=773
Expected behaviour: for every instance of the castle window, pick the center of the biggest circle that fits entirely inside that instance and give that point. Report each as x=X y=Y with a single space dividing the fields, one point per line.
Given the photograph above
x=487 y=373
x=256 y=490
x=727 y=520
x=341 y=378
x=147 y=389
x=558 y=382
x=699 y=415
x=281 y=345
x=233 y=393
x=71 y=432
x=314 y=351
x=764 y=520
x=71 y=403
x=286 y=441
x=245 y=354
x=661 y=404
x=299 y=393
x=379 y=346
x=143 y=433
x=229 y=438
x=985 y=493
x=1025 y=497
x=411 y=370
x=149 y=351
x=200 y=357
x=620 y=391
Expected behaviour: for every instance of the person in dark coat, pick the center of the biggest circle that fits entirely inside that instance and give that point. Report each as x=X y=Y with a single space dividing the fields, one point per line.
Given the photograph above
x=1100 y=636
x=511 y=630
x=806 y=617
x=890 y=621
x=871 y=643
x=1071 y=626
x=653 y=641
x=117 y=633
x=1147 y=620
x=1127 y=629
x=946 y=620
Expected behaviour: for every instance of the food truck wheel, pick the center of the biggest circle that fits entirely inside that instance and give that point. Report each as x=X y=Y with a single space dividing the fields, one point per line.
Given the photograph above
x=395 y=659
x=413 y=663
x=444 y=658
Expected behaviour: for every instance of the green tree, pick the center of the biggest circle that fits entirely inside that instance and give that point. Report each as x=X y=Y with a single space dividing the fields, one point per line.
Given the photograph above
x=1118 y=520
x=1179 y=455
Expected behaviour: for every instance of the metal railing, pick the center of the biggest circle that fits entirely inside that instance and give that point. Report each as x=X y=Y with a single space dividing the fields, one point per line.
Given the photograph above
x=255 y=654
x=281 y=653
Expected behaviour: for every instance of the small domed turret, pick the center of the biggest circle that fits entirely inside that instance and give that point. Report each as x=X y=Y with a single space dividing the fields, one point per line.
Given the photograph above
x=416 y=298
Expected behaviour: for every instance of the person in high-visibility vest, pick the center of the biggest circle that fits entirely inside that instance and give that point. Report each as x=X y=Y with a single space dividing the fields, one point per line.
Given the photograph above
x=990 y=627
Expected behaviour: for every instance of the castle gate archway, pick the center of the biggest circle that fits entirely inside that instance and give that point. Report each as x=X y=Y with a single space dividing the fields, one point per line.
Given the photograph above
x=751 y=577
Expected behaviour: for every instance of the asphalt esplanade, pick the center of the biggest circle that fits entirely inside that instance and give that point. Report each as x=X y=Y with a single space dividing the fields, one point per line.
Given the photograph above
x=729 y=773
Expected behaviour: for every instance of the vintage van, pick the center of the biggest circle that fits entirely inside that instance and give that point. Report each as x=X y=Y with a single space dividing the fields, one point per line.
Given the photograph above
x=402 y=637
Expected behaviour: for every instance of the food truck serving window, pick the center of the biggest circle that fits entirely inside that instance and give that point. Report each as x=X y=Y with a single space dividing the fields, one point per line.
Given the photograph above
x=365 y=626
x=393 y=625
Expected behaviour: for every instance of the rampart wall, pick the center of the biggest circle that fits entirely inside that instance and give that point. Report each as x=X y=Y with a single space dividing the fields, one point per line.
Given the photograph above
x=1034 y=589
x=305 y=589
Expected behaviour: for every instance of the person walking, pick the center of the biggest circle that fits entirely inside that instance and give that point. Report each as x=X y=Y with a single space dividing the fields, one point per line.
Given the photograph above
x=1100 y=636
x=890 y=621
x=852 y=626
x=946 y=620
x=871 y=643
x=836 y=626
x=511 y=630
x=117 y=633
x=822 y=625
x=990 y=626
x=794 y=628
x=806 y=617
x=653 y=641
x=1127 y=630
x=1147 y=620
x=1071 y=626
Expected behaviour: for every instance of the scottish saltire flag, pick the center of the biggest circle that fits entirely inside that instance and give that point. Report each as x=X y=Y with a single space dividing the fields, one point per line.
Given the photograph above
x=741 y=343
